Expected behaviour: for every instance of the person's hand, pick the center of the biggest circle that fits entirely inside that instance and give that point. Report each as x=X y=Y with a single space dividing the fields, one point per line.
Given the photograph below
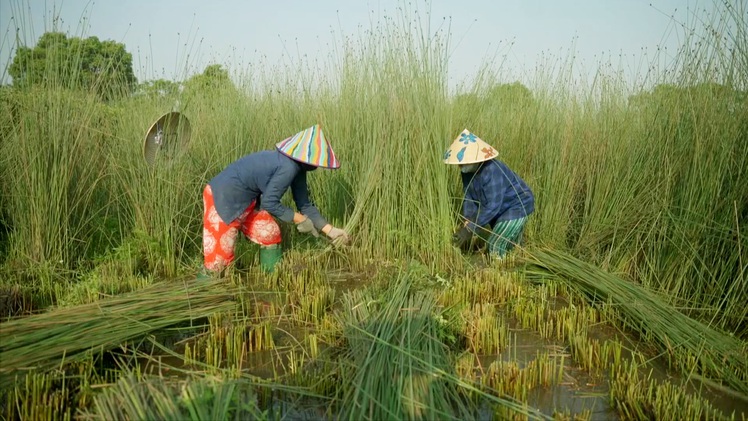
x=462 y=237
x=338 y=235
x=307 y=227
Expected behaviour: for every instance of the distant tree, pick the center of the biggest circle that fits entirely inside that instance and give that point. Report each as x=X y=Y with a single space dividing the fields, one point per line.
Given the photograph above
x=78 y=63
x=214 y=77
x=674 y=97
x=159 y=88
x=9 y=111
x=661 y=94
x=468 y=102
x=510 y=95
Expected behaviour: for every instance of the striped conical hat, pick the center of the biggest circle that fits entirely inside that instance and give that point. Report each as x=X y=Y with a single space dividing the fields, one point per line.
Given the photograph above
x=469 y=149
x=310 y=147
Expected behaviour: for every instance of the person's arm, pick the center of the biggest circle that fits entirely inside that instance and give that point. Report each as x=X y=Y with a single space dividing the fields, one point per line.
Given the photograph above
x=469 y=203
x=304 y=204
x=300 y=193
x=276 y=187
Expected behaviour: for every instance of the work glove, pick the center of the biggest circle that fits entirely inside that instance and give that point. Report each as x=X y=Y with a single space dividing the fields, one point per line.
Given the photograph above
x=338 y=235
x=462 y=237
x=307 y=227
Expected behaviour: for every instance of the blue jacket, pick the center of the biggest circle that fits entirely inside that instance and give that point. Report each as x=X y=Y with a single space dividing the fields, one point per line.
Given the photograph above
x=495 y=193
x=266 y=175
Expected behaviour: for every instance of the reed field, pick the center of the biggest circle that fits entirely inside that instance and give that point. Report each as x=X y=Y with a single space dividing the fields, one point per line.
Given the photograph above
x=627 y=300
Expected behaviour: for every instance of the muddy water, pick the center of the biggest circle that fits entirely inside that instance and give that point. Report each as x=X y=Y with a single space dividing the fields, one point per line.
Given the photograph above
x=657 y=368
x=581 y=391
x=577 y=393
x=266 y=364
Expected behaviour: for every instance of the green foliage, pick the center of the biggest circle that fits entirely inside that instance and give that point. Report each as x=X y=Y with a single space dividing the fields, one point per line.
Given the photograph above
x=9 y=110
x=668 y=98
x=54 y=176
x=16 y=299
x=158 y=399
x=95 y=285
x=104 y=67
x=509 y=96
x=8 y=116
x=158 y=88
x=213 y=79
x=467 y=103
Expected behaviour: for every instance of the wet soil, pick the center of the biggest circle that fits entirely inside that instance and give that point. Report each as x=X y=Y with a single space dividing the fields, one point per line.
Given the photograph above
x=579 y=393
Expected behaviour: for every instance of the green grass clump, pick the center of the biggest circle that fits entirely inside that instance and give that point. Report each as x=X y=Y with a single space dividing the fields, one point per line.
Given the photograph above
x=635 y=396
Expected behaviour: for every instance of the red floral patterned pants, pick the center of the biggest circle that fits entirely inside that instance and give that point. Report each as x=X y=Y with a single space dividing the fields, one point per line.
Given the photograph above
x=219 y=238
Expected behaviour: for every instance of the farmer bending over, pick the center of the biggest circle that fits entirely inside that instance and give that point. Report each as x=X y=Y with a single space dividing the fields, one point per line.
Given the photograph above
x=495 y=196
x=231 y=198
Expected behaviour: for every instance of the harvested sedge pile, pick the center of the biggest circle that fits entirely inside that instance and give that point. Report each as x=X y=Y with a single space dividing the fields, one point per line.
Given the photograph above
x=44 y=340
x=719 y=356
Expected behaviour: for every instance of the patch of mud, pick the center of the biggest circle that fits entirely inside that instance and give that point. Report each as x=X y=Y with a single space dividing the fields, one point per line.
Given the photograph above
x=344 y=281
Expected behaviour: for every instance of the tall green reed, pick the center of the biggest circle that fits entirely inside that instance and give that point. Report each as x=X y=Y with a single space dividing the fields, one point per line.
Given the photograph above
x=649 y=184
x=55 y=181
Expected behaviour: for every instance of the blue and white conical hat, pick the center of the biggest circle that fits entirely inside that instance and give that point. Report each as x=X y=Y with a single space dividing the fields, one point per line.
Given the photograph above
x=469 y=149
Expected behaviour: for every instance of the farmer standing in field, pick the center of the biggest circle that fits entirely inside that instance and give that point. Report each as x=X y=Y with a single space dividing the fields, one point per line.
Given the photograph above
x=246 y=196
x=495 y=196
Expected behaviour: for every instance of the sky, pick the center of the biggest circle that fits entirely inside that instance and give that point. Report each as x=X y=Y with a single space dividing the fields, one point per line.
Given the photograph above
x=173 y=39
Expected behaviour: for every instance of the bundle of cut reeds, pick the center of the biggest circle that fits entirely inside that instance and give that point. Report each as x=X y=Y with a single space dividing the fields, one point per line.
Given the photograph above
x=718 y=355
x=66 y=334
x=398 y=366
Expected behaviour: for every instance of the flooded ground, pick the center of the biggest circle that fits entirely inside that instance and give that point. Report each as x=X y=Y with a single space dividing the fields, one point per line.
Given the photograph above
x=579 y=391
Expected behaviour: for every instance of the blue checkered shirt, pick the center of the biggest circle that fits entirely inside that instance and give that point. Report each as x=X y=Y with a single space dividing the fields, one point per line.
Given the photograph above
x=495 y=193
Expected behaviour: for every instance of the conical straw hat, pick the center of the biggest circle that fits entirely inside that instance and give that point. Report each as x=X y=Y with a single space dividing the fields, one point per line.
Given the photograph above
x=469 y=149
x=310 y=147
x=167 y=138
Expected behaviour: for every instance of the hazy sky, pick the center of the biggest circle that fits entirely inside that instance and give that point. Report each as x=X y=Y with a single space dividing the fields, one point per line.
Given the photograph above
x=174 y=38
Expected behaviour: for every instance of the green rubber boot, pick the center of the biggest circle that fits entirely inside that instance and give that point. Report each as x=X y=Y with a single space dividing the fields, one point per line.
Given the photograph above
x=204 y=274
x=269 y=256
